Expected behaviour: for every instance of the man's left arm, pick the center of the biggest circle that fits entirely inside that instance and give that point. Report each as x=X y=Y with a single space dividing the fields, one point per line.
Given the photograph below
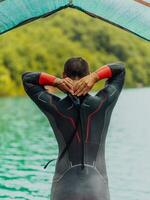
x=115 y=73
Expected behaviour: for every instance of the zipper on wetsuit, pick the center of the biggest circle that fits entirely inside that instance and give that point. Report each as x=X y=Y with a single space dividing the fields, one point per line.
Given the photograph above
x=76 y=102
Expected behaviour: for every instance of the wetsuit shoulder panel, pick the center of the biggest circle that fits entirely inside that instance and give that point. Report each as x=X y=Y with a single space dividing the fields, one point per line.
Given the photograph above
x=43 y=99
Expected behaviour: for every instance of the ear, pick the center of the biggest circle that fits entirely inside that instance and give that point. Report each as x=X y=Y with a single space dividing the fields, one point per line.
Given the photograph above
x=64 y=75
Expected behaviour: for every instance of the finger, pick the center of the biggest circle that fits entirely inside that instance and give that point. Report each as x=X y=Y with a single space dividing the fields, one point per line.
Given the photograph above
x=81 y=87
x=69 y=80
x=67 y=88
x=79 y=90
x=70 y=85
x=77 y=85
x=85 y=90
x=70 y=89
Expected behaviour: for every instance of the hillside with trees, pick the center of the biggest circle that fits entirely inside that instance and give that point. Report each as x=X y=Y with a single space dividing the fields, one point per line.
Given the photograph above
x=46 y=44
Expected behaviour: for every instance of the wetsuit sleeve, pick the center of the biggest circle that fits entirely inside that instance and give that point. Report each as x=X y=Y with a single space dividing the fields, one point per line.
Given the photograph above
x=115 y=72
x=33 y=83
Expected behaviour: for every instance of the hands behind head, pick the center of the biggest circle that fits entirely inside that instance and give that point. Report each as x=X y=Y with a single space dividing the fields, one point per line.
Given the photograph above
x=77 y=87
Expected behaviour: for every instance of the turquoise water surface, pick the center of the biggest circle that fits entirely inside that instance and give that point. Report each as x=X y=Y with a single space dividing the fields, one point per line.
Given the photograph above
x=27 y=143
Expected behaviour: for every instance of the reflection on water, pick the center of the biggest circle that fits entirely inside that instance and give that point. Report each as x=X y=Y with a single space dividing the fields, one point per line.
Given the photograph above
x=27 y=143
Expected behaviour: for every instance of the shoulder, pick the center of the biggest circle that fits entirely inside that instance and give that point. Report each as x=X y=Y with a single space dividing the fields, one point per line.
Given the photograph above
x=94 y=102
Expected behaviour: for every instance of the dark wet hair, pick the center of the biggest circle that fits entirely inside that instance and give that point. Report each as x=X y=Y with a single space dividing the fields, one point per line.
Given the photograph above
x=76 y=67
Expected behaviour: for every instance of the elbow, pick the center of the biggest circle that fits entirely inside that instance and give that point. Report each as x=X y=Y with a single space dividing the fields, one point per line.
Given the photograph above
x=117 y=68
x=25 y=76
x=31 y=77
x=122 y=71
x=122 y=67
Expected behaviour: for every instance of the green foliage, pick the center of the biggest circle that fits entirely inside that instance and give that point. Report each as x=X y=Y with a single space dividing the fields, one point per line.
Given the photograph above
x=45 y=45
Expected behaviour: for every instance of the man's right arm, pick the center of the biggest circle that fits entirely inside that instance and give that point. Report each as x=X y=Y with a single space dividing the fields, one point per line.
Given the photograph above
x=115 y=74
x=33 y=83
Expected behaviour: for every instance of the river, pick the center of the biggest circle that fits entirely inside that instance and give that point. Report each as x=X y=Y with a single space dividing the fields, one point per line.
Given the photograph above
x=27 y=143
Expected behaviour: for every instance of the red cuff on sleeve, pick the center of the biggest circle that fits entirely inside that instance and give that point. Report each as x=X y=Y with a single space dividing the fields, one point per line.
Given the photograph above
x=46 y=79
x=104 y=72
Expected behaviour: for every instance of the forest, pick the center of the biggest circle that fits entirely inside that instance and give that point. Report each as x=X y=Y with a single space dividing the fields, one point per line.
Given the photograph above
x=44 y=45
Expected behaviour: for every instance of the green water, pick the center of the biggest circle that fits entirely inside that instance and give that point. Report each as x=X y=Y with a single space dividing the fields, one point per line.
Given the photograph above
x=27 y=143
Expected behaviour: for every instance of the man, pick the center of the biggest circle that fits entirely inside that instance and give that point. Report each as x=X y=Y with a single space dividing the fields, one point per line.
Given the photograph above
x=80 y=123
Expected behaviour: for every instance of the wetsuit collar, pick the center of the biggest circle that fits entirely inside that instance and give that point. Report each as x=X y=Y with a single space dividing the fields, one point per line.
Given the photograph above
x=78 y=100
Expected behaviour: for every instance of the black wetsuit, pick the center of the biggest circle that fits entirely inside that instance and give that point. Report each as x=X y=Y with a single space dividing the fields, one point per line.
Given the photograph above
x=81 y=172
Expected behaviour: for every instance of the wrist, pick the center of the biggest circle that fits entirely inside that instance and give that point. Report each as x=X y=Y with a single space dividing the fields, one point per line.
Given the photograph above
x=95 y=76
x=56 y=82
x=104 y=72
x=46 y=79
